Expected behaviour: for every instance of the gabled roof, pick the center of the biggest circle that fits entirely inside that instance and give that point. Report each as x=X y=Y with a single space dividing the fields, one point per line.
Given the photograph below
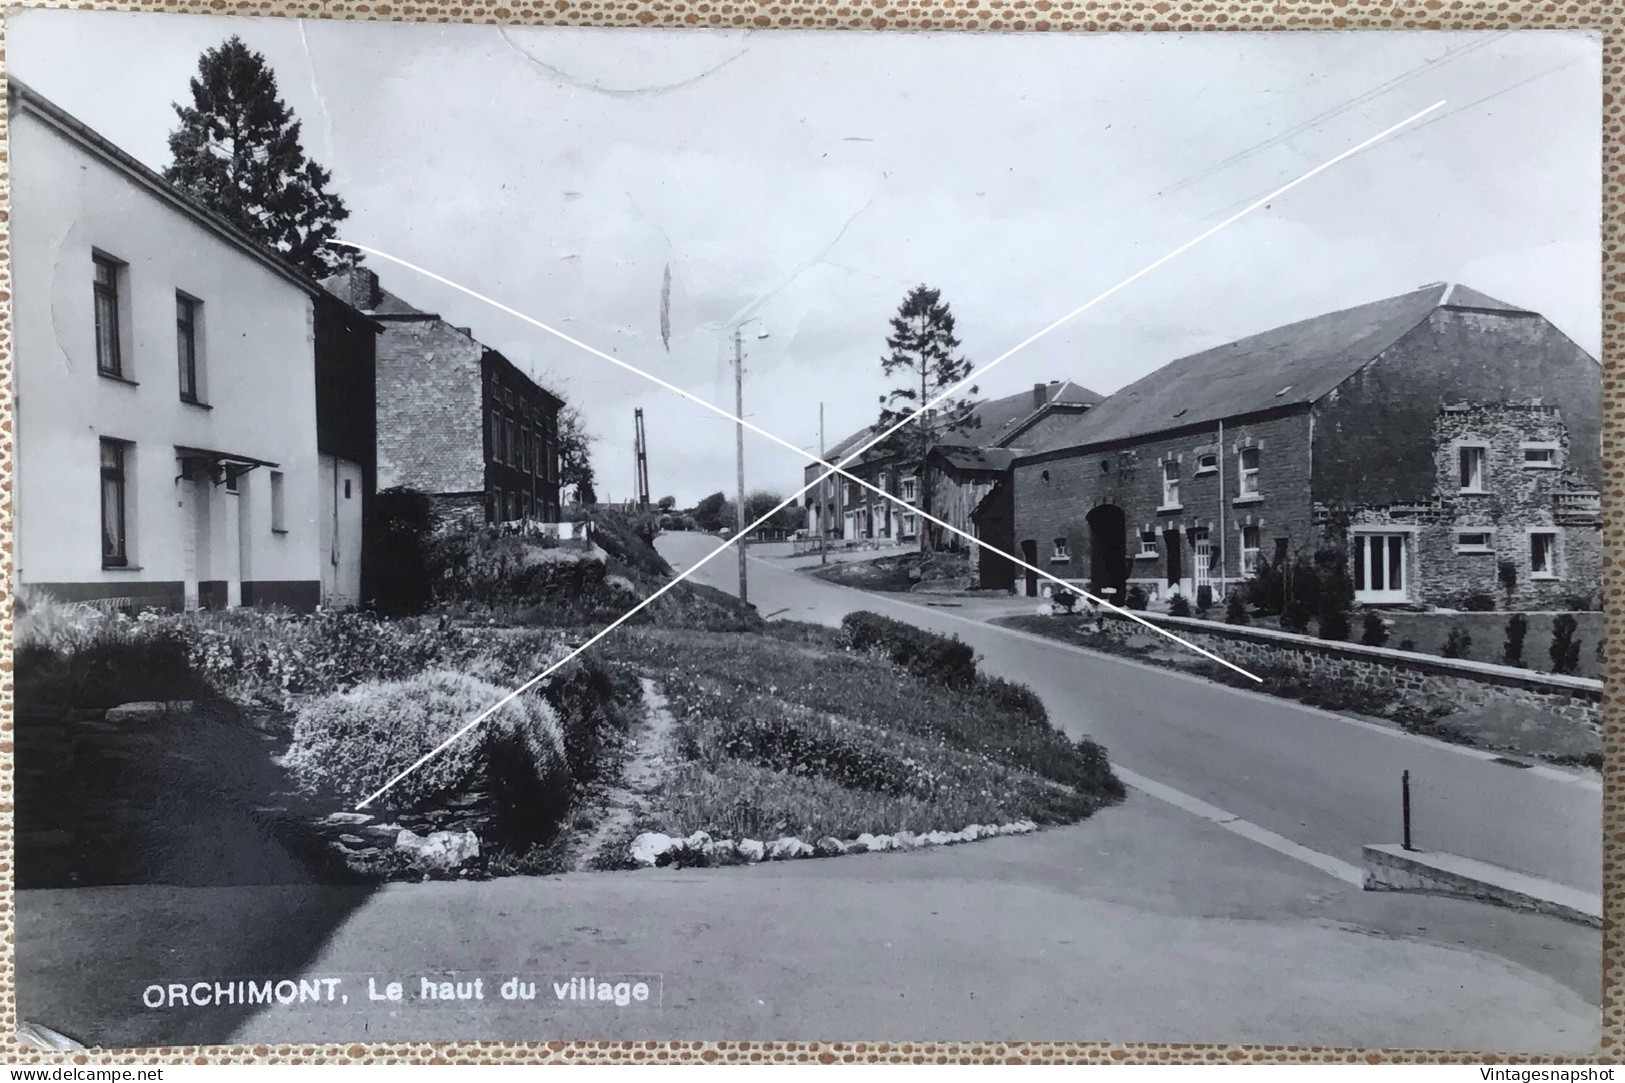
x=968 y=459
x=1000 y=419
x=1292 y=365
x=23 y=98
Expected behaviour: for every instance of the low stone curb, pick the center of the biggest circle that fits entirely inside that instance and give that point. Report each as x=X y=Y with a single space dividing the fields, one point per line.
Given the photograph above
x=653 y=849
x=1390 y=867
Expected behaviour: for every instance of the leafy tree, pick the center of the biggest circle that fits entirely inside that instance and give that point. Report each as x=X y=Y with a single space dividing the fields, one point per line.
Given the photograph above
x=925 y=360
x=710 y=512
x=761 y=502
x=667 y=503
x=237 y=151
x=575 y=467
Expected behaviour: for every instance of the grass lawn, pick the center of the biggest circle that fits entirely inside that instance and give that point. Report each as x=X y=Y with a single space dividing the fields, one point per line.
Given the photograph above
x=1527 y=731
x=787 y=733
x=902 y=573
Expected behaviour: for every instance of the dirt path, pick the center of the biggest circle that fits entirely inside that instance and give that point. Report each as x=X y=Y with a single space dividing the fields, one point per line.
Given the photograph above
x=653 y=754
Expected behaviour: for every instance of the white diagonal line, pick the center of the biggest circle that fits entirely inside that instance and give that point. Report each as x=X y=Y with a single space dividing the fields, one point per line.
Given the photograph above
x=856 y=453
x=833 y=468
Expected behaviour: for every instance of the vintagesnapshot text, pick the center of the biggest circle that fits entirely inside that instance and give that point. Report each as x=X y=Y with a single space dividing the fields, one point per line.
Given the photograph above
x=359 y=992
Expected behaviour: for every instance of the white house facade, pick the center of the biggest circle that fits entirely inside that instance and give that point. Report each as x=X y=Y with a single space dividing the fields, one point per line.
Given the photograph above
x=165 y=387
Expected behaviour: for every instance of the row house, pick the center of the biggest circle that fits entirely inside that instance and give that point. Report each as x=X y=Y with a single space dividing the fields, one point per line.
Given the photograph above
x=456 y=419
x=194 y=416
x=1451 y=441
x=961 y=471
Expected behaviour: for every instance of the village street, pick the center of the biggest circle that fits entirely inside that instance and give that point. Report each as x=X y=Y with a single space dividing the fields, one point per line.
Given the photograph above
x=1144 y=922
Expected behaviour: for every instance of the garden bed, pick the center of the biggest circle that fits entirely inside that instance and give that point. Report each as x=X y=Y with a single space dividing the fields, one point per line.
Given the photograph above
x=900 y=574
x=793 y=734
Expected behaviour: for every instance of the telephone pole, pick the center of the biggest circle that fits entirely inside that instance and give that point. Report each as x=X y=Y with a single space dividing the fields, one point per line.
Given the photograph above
x=642 y=459
x=823 y=486
x=739 y=452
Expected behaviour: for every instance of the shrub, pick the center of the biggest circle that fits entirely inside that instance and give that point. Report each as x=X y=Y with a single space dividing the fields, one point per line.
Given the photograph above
x=1204 y=599
x=1407 y=644
x=1582 y=603
x=1333 y=623
x=1266 y=590
x=1478 y=601
x=95 y=660
x=1064 y=598
x=402 y=522
x=594 y=709
x=485 y=565
x=1018 y=699
x=1179 y=606
x=350 y=744
x=1565 y=648
x=777 y=742
x=1374 y=630
x=1235 y=609
x=943 y=660
x=1457 y=643
x=1136 y=598
x=1295 y=614
x=1512 y=649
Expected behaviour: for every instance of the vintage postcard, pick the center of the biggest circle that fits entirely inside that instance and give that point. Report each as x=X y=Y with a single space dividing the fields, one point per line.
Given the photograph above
x=544 y=533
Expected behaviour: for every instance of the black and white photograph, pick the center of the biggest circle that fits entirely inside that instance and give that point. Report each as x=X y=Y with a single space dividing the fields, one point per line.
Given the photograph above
x=543 y=533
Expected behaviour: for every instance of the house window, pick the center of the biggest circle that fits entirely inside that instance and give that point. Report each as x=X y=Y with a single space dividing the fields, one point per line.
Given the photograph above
x=910 y=488
x=908 y=526
x=1379 y=568
x=496 y=434
x=1472 y=469
x=109 y=359
x=1060 y=556
x=279 y=507
x=1473 y=541
x=1207 y=463
x=1539 y=456
x=115 y=551
x=1249 y=550
x=1170 y=483
x=1148 y=543
x=346 y=488
x=1280 y=552
x=1248 y=461
x=1543 y=554
x=186 y=344
x=233 y=480
x=549 y=464
x=513 y=441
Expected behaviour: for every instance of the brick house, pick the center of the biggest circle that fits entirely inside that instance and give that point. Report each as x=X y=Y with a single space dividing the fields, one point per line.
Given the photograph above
x=1444 y=431
x=962 y=469
x=456 y=419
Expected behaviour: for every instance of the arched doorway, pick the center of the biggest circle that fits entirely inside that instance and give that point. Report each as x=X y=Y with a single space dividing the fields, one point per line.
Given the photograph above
x=1108 y=552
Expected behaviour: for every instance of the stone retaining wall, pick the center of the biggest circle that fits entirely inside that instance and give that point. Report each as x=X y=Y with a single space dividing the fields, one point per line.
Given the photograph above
x=1470 y=684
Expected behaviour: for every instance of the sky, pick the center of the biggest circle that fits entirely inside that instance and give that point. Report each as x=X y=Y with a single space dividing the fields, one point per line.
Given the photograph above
x=810 y=179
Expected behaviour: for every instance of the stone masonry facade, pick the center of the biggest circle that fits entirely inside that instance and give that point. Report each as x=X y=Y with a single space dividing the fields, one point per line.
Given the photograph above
x=1509 y=520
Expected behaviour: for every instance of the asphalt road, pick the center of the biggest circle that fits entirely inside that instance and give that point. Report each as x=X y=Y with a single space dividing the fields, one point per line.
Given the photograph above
x=1143 y=923
x=1320 y=780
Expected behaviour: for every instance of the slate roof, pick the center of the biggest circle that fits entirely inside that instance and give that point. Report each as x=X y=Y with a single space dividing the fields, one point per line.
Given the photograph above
x=1295 y=364
x=975 y=458
x=999 y=417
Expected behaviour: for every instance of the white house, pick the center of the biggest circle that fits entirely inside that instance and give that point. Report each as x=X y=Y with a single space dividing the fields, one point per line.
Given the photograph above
x=165 y=387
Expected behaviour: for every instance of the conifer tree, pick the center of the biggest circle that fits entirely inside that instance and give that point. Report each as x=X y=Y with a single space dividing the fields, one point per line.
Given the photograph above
x=924 y=355
x=237 y=151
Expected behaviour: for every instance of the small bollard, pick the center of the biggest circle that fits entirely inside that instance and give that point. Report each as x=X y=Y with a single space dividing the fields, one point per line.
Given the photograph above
x=1405 y=804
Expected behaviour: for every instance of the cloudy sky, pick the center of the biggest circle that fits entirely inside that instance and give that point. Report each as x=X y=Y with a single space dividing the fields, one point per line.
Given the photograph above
x=811 y=179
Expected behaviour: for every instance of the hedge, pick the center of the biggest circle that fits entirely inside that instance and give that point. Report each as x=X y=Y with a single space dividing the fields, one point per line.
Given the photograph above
x=944 y=660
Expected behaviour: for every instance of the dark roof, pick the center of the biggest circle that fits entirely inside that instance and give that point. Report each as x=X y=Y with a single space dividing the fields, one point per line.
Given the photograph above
x=975 y=458
x=20 y=94
x=1292 y=365
x=999 y=418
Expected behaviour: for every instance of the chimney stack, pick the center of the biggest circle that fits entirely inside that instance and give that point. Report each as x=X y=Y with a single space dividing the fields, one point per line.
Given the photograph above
x=1040 y=395
x=356 y=287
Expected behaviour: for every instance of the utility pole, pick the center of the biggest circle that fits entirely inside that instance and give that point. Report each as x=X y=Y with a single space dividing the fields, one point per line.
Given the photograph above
x=823 y=486
x=642 y=459
x=739 y=452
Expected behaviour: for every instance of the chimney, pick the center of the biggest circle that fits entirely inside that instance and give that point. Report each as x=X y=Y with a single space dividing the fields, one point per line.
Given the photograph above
x=1040 y=395
x=357 y=287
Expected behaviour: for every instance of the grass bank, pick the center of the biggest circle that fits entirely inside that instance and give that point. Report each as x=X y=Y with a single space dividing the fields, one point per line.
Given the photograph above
x=1527 y=732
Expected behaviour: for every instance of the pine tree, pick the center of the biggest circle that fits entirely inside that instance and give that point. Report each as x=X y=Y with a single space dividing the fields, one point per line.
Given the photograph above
x=923 y=349
x=237 y=151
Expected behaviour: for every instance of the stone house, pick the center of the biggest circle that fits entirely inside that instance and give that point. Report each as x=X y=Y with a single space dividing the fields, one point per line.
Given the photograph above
x=962 y=469
x=456 y=419
x=188 y=430
x=1250 y=451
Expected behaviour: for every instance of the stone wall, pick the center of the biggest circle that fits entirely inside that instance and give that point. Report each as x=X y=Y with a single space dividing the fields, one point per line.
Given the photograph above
x=1468 y=684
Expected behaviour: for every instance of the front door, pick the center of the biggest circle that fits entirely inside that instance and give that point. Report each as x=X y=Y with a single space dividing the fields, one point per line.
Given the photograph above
x=1172 y=545
x=1203 y=562
x=1029 y=553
